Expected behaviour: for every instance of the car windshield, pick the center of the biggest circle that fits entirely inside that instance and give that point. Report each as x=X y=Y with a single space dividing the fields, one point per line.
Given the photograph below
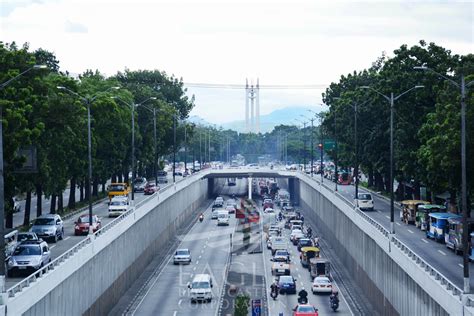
x=44 y=221
x=200 y=285
x=286 y=279
x=306 y=309
x=365 y=196
x=117 y=187
x=22 y=237
x=85 y=219
x=116 y=203
x=182 y=253
x=27 y=250
x=323 y=281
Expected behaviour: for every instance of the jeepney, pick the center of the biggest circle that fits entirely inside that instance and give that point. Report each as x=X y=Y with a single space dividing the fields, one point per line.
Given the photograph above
x=307 y=253
x=409 y=209
x=422 y=214
x=319 y=267
x=438 y=225
x=453 y=236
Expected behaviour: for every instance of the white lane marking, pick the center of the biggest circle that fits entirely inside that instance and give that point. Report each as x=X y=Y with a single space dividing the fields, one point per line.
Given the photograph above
x=176 y=312
x=67 y=238
x=410 y=231
x=398 y=224
x=441 y=252
x=197 y=262
x=299 y=276
x=52 y=246
x=194 y=269
x=387 y=216
x=460 y=265
x=200 y=256
x=424 y=240
x=378 y=211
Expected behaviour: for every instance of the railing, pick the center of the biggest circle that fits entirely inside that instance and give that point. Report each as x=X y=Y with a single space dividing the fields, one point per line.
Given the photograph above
x=444 y=281
x=17 y=288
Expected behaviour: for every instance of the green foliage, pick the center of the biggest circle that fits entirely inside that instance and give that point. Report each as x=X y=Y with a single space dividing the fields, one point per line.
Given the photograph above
x=241 y=305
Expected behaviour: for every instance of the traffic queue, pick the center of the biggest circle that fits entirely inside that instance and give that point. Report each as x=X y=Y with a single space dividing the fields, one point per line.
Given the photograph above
x=290 y=222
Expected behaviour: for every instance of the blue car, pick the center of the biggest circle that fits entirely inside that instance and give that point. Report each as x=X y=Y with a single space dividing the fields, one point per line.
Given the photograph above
x=287 y=284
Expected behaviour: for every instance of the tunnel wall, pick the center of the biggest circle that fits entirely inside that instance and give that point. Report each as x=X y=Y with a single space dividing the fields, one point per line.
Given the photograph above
x=380 y=269
x=95 y=278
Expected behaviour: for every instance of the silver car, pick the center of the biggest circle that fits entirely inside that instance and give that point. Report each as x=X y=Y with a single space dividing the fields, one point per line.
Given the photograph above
x=29 y=256
x=182 y=256
x=48 y=227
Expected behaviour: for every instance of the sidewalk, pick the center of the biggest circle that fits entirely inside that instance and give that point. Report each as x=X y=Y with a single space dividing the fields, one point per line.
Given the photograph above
x=246 y=272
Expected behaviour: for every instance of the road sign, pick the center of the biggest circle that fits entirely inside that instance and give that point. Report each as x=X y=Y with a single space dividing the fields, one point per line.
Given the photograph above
x=256 y=307
x=329 y=144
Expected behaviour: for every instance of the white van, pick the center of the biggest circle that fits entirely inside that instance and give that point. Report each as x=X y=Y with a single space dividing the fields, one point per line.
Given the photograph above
x=201 y=288
x=223 y=218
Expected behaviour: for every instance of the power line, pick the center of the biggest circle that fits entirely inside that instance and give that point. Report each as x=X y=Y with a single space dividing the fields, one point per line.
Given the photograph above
x=241 y=86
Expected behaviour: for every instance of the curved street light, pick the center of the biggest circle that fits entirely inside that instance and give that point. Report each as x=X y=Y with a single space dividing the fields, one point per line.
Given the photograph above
x=88 y=101
x=391 y=99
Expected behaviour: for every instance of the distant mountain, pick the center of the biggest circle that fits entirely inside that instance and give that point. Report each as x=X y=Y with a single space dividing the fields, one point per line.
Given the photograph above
x=285 y=116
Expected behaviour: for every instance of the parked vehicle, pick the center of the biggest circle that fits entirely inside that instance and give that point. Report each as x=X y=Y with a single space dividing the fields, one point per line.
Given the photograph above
x=321 y=284
x=48 y=227
x=200 y=289
x=453 y=236
x=118 y=205
x=307 y=253
x=118 y=189
x=319 y=267
x=151 y=188
x=422 y=214
x=409 y=209
x=81 y=226
x=287 y=284
x=162 y=176
x=29 y=256
x=438 y=225
x=365 y=202
x=182 y=256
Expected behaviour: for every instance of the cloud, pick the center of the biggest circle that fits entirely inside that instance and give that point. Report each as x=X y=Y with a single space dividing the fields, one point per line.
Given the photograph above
x=72 y=27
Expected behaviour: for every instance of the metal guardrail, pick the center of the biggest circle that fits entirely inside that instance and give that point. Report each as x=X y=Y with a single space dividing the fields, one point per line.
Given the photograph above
x=17 y=288
x=444 y=281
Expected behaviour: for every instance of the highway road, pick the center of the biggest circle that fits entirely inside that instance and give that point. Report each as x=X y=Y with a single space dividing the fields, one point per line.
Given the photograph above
x=209 y=246
x=70 y=240
x=286 y=302
x=436 y=254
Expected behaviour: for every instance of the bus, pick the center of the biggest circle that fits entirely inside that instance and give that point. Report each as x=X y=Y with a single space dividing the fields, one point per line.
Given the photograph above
x=345 y=178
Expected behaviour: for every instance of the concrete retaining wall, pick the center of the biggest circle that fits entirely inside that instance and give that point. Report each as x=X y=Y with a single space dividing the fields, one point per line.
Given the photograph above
x=379 y=269
x=107 y=267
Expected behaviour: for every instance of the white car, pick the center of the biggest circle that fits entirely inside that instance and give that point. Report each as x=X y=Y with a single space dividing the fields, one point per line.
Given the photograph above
x=269 y=210
x=321 y=284
x=118 y=205
x=280 y=268
x=295 y=232
x=215 y=213
x=182 y=256
x=365 y=202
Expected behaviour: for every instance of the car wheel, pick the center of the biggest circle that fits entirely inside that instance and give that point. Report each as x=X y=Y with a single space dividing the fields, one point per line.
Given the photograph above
x=61 y=237
x=55 y=238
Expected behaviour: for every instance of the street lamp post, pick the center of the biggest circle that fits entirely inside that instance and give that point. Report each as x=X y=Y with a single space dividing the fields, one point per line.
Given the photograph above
x=155 y=151
x=132 y=109
x=465 y=233
x=391 y=99
x=312 y=145
x=88 y=101
x=304 y=143
x=2 y=183
x=174 y=147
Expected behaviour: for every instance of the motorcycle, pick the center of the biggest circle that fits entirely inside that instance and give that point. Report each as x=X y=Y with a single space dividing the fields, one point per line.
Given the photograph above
x=274 y=294
x=302 y=300
x=201 y=218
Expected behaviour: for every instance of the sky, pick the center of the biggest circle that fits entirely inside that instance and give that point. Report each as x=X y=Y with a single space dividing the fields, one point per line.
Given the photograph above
x=291 y=42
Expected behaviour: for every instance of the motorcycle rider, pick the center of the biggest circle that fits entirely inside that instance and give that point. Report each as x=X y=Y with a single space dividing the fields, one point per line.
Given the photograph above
x=334 y=297
x=303 y=296
x=201 y=217
x=274 y=290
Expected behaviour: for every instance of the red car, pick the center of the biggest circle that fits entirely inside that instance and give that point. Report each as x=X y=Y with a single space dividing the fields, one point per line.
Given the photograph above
x=81 y=226
x=305 y=310
x=151 y=188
